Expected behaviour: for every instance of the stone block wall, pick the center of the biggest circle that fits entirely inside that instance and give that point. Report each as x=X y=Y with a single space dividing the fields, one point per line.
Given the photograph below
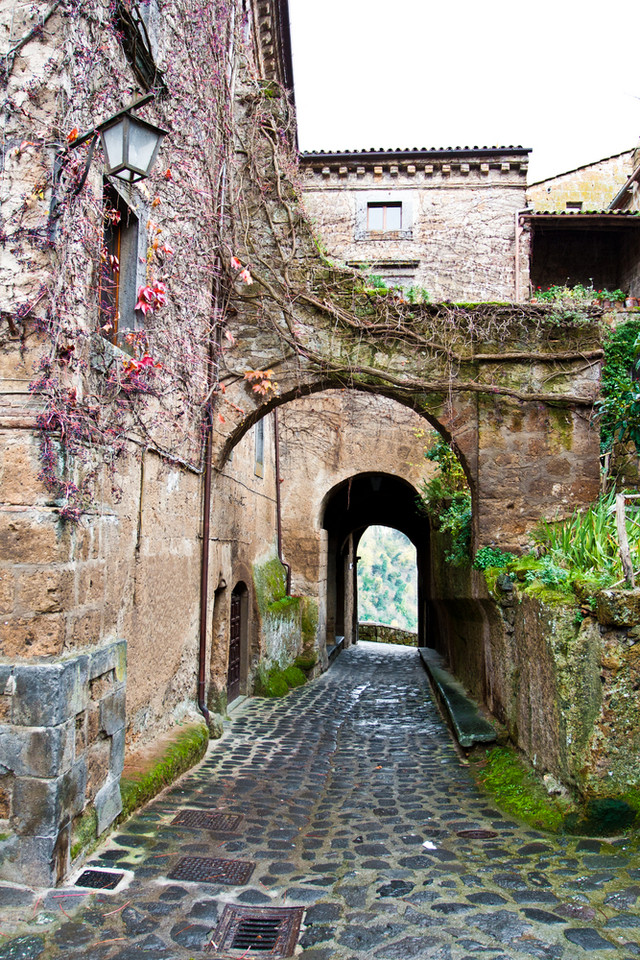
x=593 y=185
x=457 y=208
x=62 y=738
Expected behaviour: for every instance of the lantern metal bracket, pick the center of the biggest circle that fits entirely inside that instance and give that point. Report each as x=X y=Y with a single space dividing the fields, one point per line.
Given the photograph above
x=63 y=152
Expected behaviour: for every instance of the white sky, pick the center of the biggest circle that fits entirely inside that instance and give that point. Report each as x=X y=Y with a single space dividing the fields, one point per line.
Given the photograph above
x=560 y=76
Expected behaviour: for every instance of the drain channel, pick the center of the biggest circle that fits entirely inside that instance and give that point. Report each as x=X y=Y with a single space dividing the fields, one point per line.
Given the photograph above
x=259 y=931
x=99 y=879
x=213 y=870
x=223 y=822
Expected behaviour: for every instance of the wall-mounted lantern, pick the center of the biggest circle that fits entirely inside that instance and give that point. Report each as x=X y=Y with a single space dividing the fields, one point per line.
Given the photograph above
x=130 y=146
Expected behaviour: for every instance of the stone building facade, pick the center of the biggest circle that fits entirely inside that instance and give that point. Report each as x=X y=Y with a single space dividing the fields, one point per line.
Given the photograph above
x=413 y=216
x=589 y=187
x=175 y=431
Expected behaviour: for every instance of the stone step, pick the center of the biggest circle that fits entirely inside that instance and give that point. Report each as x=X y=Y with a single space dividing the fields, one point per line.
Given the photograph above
x=469 y=726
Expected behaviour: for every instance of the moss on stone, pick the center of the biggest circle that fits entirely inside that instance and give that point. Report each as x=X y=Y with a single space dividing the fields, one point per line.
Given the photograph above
x=187 y=749
x=516 y=790
x=602 y=817
x=270 y=582
x=306 y=663
x=294 y=676
x=285 y=605
x=309 y=625
x=270 y=683
x=85 y=831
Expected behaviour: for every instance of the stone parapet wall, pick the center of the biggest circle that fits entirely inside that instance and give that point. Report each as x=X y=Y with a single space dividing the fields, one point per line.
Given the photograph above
x=382 y=633
x=62 y=738
x=594 y=185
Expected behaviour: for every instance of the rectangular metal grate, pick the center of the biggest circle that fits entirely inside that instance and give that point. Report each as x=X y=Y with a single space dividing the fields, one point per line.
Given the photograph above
x=258 y=931
x=222 y=822
x=213 y=870
x=99 y=879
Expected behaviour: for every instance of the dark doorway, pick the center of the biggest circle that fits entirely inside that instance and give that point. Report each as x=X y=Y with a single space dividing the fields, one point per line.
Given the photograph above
x=235 y=645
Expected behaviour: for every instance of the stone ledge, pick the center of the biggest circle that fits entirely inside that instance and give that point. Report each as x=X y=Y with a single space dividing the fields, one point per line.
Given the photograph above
x=469 y=726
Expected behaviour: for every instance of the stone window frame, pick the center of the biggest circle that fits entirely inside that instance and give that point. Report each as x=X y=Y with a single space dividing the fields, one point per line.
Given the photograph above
x=404 y=197
x=132 y=257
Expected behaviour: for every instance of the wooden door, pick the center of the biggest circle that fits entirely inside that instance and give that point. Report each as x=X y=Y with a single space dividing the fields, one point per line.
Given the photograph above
x=235 y=634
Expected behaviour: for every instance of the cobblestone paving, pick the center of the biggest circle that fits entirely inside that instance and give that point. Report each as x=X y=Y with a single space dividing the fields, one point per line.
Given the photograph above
x=352 y=798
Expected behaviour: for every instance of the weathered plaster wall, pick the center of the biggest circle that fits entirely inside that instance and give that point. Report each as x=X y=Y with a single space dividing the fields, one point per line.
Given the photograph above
x=594 y=185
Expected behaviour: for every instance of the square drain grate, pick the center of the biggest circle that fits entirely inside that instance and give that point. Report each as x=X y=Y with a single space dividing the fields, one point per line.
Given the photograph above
x=259 y=931
x=212 y=870
x=222 y=822
x=99 y=879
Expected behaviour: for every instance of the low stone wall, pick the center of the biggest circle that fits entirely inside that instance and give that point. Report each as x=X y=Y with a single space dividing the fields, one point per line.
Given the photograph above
x=381 y=633
x=565 y=686
x=62 y=737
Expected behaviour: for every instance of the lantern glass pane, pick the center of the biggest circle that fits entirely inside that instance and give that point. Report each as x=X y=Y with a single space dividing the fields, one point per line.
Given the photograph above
x=112 y=141
x=142 y=144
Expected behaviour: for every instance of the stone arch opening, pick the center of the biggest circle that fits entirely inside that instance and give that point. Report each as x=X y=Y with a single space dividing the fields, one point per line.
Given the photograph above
x=363 y=500
x=386 y=573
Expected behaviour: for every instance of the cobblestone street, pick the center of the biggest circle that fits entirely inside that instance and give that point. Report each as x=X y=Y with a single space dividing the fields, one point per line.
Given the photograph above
x=352 y=800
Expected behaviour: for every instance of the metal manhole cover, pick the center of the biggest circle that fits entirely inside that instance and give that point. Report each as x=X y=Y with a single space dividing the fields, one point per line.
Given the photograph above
x=223 y=822
x=213 y=870
x=258 y=931
x=99 y=879
x=477 y=834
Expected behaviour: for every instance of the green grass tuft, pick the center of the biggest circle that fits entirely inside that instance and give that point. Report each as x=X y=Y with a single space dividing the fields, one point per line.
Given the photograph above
x=188 y=749
x=517 y=791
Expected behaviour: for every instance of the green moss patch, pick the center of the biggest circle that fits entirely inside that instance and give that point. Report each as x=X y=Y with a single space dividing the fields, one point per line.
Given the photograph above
x=85 y=832
x=276 y=682
x=305 y=663
x=517 y=791
x=601 y=817
x=141 y=782
x=294 y=676
x=270 y=582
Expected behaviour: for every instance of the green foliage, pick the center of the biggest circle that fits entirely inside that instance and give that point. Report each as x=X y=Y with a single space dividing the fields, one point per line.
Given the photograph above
x=274 y=682
x=294 y=676
x=447 y=499
x=586 y=543
x=619 y=408
x=418 y=295
x=578 y=293
x=188 y=749
x=516 y=789
x=270 y=582
x=306 y=663
x=387 y=585
x=488 y=557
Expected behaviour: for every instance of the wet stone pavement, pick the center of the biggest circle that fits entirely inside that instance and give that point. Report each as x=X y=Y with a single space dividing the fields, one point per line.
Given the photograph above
x=352 y=799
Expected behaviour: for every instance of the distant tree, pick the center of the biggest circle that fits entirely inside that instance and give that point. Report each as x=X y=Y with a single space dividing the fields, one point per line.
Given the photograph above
x=387 y=579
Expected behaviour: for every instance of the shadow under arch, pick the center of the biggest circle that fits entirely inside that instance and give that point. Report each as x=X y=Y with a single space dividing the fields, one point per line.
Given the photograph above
x=364 y=500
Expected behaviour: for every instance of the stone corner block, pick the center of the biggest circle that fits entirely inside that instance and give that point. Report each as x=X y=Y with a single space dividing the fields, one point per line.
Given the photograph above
x=111 y=657
x=50 y=693
x=619 y=608
x=108 y=804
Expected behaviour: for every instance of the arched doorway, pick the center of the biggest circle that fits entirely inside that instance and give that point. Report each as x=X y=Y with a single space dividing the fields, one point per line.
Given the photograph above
x=236 y=671
x=352 y=506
